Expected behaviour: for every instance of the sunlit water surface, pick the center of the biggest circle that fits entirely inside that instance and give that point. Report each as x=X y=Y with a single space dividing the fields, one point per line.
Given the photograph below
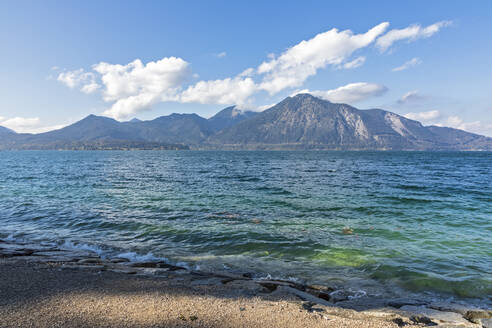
x=414 y=222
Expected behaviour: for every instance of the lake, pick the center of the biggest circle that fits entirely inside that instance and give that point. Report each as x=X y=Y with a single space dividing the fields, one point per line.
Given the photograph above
x=416 y=223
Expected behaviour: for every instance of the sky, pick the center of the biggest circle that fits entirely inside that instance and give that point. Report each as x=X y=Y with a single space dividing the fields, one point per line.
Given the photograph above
x=62 y=60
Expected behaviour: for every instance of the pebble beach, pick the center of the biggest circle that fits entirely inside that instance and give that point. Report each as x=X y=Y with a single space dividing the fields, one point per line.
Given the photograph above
x=46 y=286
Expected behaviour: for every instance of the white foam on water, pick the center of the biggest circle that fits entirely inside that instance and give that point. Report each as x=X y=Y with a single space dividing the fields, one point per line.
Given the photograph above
x=135 y=257
x=358 y=294
x=67 y=244
x=270 y=277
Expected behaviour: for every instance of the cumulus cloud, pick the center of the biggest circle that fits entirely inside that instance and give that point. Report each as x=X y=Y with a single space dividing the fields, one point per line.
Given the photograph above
x=411 y=63
x=26 y=125
x=227 y=91
x=136 y=86
x=411 y=97
x=424 y=117
x=350 y=93
x=303 y=60
x=78 y=78
x=411 y=33
x=221 y=54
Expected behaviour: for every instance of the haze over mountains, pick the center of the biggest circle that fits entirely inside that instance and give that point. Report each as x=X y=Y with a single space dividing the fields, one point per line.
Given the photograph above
x=299 y=122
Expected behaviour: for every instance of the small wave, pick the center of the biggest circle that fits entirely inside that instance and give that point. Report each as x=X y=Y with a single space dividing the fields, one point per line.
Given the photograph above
x=135 y=257
x=270 y=277
x=410 y=200
x=358 y=294
x=68 y=244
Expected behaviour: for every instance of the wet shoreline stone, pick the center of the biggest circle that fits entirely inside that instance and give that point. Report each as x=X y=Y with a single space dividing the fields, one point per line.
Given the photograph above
x=405 y=311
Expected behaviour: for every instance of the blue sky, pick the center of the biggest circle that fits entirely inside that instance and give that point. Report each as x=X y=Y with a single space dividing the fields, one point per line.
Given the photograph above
x=63 y=60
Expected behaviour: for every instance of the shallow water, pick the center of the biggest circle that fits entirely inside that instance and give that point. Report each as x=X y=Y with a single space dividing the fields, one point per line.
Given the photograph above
x=420 y=222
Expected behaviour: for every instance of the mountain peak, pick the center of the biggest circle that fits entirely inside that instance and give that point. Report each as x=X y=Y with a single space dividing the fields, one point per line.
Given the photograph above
x=4 y=130
x=307 y=96
x=229 y=116
x=303 y=96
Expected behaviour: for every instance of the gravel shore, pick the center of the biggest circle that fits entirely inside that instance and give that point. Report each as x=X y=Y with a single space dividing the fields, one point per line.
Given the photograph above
x=54 y=288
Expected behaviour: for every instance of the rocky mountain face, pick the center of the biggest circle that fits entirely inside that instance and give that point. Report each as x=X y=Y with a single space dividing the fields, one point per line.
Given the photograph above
x=97 y=132
x=300 y=122
x=307 y=122
x=5 y=131
x=228 y=117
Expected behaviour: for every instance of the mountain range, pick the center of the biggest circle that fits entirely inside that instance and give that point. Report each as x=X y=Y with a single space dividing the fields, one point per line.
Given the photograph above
x=299 y=122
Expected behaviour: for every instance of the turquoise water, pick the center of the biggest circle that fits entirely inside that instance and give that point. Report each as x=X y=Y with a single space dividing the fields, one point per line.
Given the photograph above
x=414 y=222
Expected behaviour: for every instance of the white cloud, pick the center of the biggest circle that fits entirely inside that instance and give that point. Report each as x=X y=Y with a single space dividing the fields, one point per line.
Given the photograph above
x=411 y=97
x=264 y=107
x=410 y=33
x=303 y=60
x=226 y=92
x=435 y=117
x=424 y=117
x=26 y=125
x=475 y=126
x=78 y=78
x=136 y=86
x=350 y=93
x=90 y=88
x=247 y=72
x=359 y=61
x=221 y=54
x=121 y=81
x=411 y=63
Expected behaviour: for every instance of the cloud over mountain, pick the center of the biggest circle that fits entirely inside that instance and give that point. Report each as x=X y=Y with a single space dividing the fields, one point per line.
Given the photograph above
x=350 y=93
x=303 y=60
x=137 y=86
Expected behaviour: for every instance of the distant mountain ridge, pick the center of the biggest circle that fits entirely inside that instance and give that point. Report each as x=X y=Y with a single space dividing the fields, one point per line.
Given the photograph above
x=299 y=122
x=5 y=131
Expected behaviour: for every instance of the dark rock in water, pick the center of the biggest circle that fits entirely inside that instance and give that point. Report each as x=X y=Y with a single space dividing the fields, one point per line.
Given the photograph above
x=270 y=286
x=248 y=275
x=308 y=306
x=363 y=303
x=399 y=302
x=145 y=264
x=11 y=250
x=475 y=316
x=90 y=261
x=399 y=322
x=321 y=288
x=161 y=265
x=12 y=253
x=322 y=292
x=448 y=307
x=340 y=295
x=421 y=314
x=119 y=260
x=422 y=320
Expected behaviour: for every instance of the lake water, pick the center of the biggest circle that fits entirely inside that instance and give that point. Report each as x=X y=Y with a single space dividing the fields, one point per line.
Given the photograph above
x=374 y=222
